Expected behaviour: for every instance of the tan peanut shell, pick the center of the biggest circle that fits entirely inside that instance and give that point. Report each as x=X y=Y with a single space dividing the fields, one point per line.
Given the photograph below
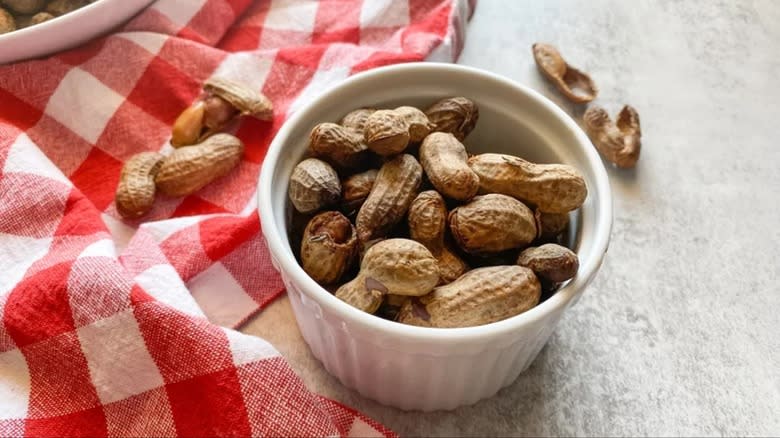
x=419 y=125
x=136 y=190
x=577 y=86
x=243 y=98
x=551 y=225
x=7 y=22
x=314 y=185
x=386 y=132
x=329 y=247
x=444 y=160
x=188 y=126
x=188 y=169
x=337 y=145
x=355 y=190
x=550 y=261
x=39 y=18
x=456 y=115
x=393 y=266
x=395 y=300
x=356 y=120
x=481 y=296
x=24 y=6
x=393 y=191
x=365 y=296
x=62 y=7
x=619 y=142
x=428 y=224
x=553 y=188
x=492 y=223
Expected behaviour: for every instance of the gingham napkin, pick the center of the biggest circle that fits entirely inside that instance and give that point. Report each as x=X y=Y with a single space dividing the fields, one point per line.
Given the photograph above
x=113 y=328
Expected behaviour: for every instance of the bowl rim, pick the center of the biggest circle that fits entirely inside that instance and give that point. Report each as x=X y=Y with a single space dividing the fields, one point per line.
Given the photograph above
x=558 y=301
x=70 y=16
x=127 y=9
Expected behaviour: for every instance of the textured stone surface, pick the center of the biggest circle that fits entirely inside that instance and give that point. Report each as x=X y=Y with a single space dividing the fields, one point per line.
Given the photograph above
x=680 y=331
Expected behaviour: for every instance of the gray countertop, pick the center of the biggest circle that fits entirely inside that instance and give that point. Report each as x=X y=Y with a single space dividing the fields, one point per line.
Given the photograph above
x=679 y=334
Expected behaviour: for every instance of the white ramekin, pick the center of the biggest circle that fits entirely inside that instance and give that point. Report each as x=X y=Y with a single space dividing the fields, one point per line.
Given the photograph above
x=68 y=30
x=423 y=368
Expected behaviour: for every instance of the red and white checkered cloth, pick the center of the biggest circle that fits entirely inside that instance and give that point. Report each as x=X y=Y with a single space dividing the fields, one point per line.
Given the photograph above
x=113 y=328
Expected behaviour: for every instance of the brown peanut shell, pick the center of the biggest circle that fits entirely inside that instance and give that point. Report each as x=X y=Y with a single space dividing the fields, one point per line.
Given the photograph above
x=386 y=132
x=356 y=120
x=355 y=190
x=136 y=189
x=393 y=191
x=427 y=220
x=552 y=188
x=550 y=261
x=491 y=224
x=481 y=296
x=7 y=22
x=314 y=185
x=576 y=85
x=24 y=6
x=419 y=125
x=619 y=142
x=551 y=225
x=340 y=146
x=456 y=115
x=246 y=100
x=393 y=266
x=329 y=247
x=445 y=162
x=188 y=169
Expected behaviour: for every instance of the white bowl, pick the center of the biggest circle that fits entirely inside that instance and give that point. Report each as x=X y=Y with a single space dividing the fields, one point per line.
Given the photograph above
x=425 y=368
x=68 y=30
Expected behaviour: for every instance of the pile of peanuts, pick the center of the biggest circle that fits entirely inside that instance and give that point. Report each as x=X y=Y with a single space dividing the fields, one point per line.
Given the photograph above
x=394 y=216
x=18 y=14
x=203 y=151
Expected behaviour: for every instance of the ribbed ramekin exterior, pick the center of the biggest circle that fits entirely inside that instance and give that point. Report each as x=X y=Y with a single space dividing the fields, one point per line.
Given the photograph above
x=415 y=376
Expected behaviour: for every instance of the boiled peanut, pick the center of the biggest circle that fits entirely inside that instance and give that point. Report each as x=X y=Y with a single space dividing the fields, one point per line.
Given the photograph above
x=428 y=224
x=551 y=225
x=136 y=190
x=393 y=191
x=355 y=190
x=244 y=99
x=356 y=120
x=188 y=169
x=314 y=184
x=619 y=142
x=338 y=145
x=393 y=266
x=456 y=115
x=419 y=125
x=222 y=101
x=387 y=132
x=444 y=160
x=479 y=297
x=25 y=6
x=492 y=223
x=329 y=247
x=61 y=7
x=572 y=83
x=550 y=261
x=39 y=18
x=7 y=22
x=553 y=188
